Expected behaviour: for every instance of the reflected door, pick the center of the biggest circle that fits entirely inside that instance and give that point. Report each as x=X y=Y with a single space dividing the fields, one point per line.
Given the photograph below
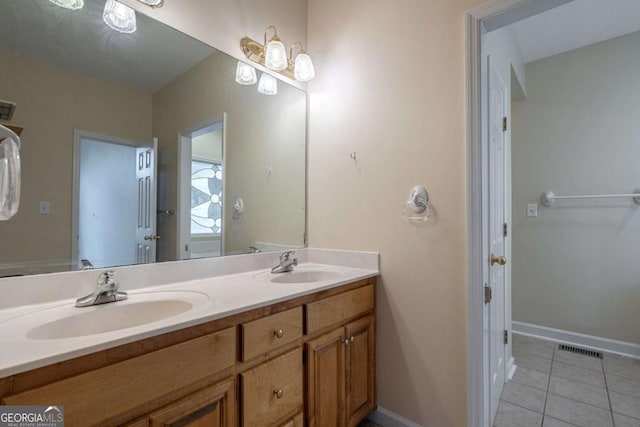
x=146 y=171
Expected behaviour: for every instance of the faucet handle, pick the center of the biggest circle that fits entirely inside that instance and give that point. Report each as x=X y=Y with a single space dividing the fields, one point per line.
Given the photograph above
x=285 y=255
x=107 y=280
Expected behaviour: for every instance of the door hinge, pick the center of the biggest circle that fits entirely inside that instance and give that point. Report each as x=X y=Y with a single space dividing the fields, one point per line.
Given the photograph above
x=487 y=294
x=506 y=336
x=504 y=230
x=504 y=124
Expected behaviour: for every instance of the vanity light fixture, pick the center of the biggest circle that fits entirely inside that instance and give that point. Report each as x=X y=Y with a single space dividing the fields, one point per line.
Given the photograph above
x=69 y=4
x=272 y=55
x=275 y=54
x=245 y=74
x=303 y=66
x=268 y=84
x=119 y=17
x=153 y=3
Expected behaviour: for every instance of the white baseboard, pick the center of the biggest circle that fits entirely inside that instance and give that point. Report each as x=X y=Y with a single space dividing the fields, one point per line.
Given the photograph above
x=582 y=340
x=387 y=418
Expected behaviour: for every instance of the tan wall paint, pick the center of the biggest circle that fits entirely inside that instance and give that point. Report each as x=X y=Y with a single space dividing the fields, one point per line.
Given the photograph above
x=208 y=146
x=52 y=103
x=390 y=86
x=575 y=265
x=260 y=131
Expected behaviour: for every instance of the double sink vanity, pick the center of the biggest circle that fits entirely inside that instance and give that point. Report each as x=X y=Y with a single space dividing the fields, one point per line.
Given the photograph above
x=229 y=344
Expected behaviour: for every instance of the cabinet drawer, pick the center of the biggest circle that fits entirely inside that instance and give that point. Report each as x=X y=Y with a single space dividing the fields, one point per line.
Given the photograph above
x=338 y=308
x=271 y=332
x=273 y=390
x=123 y=390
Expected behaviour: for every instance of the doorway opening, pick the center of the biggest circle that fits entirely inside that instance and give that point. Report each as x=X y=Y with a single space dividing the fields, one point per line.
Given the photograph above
x=114 y=201
x=201 y=183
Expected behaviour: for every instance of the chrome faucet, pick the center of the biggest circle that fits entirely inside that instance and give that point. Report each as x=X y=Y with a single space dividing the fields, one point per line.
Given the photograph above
x=286 y=263
x=106 y=291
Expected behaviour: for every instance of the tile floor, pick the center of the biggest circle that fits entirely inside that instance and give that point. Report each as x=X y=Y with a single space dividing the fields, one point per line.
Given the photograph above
x=555 y=388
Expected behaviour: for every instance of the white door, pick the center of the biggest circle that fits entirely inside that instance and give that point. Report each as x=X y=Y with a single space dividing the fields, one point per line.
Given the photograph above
x=498 y=93
x=146 y=171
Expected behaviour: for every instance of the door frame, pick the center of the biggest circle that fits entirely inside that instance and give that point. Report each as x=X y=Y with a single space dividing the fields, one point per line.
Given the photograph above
x=184 y=163
x=78 y=136
x=492 y=14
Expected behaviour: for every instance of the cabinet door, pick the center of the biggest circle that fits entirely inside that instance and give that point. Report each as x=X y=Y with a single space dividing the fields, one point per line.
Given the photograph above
x=296 y=421
x=360 y=370
x=213 y=406
x=325 y=380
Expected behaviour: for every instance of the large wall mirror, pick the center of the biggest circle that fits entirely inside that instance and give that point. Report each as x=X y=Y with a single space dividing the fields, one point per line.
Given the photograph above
x=141 y=147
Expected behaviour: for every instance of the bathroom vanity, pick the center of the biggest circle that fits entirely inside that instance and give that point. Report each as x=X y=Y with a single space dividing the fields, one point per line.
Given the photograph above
x=304 y=356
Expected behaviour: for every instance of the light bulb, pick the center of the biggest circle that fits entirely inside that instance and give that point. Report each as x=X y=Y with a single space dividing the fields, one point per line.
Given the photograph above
x=268 y=84
x=303 y=69
x=245 y=74
x=275 y=55
x=119 y=17
x=69 y=4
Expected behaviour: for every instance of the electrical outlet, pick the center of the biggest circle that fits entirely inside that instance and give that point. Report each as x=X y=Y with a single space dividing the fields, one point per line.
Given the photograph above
x=532 y=210
x=44 y=208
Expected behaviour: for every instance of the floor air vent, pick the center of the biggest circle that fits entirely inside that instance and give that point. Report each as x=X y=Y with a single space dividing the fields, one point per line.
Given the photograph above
x=578 y=350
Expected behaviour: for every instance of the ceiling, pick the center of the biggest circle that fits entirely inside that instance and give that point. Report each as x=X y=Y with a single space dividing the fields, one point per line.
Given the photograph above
x=575 y=24
x=81 y=42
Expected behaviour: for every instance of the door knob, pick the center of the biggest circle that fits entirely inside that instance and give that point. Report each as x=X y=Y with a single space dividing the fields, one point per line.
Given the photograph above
x=500 y=260
x=152 y=237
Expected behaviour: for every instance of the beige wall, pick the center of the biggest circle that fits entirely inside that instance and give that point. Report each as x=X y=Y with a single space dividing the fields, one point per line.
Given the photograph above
x=575 y=265
x=52 y=103
x=208 y=146
x=261 y=131
x=390 y=86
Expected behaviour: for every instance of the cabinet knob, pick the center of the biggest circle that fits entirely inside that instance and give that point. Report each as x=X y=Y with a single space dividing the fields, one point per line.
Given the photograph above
x=279 y=333
x=278 y=393
x=346 y=341
x=352 y=339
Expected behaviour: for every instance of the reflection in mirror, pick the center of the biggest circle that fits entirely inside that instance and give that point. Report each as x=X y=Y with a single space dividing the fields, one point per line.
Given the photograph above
x=141 y=147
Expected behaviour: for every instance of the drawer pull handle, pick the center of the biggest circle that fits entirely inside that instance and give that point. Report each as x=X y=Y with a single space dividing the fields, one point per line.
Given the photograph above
x=279 y=333
x=278 y=393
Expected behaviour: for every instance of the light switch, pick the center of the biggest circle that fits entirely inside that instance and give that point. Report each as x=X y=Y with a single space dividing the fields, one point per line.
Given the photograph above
x=44 y=208
x=532 y=209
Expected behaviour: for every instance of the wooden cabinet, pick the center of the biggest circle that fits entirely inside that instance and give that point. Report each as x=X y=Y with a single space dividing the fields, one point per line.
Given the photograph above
x=341 y=363
x=360 y=367
x=325 y=380
x=271 y=332
x=211 y=407
x=273 y=391
x=245 y=369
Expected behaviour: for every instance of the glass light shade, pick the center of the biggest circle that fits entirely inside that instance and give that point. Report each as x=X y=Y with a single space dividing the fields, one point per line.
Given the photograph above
x=303 y=68
x=119 y=17
x=69 y=4
x=154 y=3
x=245 y=74
x=275 y=56
x=268 y=84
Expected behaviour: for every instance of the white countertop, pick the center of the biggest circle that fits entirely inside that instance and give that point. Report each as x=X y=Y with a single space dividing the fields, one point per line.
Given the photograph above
x=215 y=297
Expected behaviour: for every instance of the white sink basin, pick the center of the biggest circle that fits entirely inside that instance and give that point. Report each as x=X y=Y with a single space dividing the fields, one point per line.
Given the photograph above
x=301 y=275
x=68 y=321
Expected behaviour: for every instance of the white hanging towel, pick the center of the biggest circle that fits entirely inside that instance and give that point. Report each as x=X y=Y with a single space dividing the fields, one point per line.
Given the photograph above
x=9 y=173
